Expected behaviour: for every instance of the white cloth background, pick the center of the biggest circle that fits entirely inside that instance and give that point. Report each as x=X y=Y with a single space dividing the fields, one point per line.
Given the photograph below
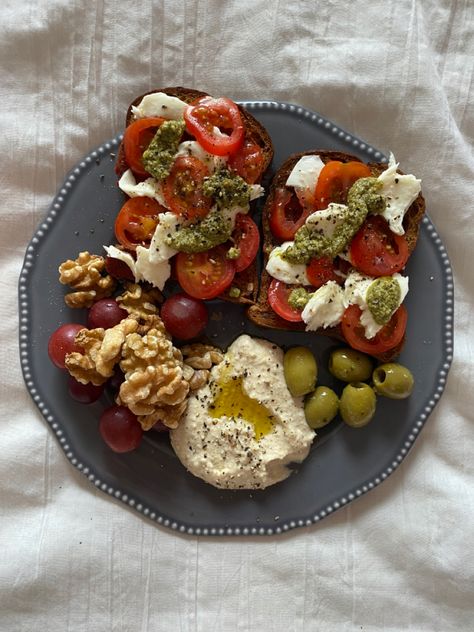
x=398 y=74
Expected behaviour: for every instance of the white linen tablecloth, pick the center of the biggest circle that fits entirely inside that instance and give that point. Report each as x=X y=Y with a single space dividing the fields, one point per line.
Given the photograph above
x=398 y=74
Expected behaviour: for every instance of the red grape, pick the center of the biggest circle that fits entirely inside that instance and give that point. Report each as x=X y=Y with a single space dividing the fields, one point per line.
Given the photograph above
x=120 y=429
x=105 y=313
x=118 y=269
x=184 y=317
x=84 y=393
x=62 y=342
x=116 y=380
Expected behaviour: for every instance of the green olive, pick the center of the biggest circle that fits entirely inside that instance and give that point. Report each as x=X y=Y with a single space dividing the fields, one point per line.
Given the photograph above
x=321 y=407
x=393 y=380
x=357 y=404
x=350 y=365
x=301 y=371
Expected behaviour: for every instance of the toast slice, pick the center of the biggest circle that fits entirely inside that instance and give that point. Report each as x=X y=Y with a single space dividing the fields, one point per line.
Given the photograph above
x=261 y=313
x=247 y=280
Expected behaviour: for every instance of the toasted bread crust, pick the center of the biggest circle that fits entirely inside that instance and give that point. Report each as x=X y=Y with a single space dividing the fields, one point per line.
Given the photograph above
x=261 y=313
x=247 y=280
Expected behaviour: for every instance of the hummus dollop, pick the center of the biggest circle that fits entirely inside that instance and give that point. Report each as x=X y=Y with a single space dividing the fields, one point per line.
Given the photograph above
x=243 y=428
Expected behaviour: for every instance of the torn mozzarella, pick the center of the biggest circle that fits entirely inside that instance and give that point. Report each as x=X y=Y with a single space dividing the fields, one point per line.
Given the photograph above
x=399 y=191
x=193 y=148
x=147 y=270
x=148 y=188
x=305 y=173
x=160 y=104
x=325 y=307
x=326 y=221
x=282 y=270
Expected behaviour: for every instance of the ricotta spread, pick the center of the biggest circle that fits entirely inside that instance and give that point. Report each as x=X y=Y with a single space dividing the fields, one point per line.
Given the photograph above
x=243 y=428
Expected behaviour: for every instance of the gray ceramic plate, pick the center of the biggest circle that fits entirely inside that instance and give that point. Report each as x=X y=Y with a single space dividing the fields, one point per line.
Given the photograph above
x=343 y=464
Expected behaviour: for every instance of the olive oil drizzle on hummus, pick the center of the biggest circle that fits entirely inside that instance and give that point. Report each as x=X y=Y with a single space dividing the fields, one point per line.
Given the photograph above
x=231 y=400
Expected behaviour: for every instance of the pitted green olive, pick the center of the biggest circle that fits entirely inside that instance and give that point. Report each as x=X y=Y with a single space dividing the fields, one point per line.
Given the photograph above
x=357 y=404
x=393 y=380
x=350 y=365
x=321 y=407
x=301 y=371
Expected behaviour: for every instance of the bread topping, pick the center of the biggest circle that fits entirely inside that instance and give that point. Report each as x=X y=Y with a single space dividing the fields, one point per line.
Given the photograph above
x=363 y=198
x=160 y=154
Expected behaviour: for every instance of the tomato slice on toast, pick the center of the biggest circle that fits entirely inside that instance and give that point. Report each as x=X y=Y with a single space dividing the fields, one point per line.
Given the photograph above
x=335 y=180
x=278 y=293
x=136 y=222
x=138 y=135
x=389 y=337
x=205 y=275
x=376 y=250
x=216 y=124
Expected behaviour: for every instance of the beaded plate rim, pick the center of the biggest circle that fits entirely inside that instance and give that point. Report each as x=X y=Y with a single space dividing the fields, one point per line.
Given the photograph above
x=125 y=498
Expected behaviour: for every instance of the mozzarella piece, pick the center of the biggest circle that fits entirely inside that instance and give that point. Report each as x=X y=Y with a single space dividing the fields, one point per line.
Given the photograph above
x=152 y=263
x=143 y=269
x=325 y=307
x=400 y=191
x=148 y=188
x=160 y=104
x=193 y=148
x=256 y=191
x=326 y=221
x=278 y=268
x=147 y=270
x=126 y=257
x=305 y=173
x=168 y=224
x=356 y=287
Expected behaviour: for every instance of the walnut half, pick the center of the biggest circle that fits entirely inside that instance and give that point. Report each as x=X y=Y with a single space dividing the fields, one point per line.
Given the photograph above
x=101 y=351
x=153 y=374
x=86 y=278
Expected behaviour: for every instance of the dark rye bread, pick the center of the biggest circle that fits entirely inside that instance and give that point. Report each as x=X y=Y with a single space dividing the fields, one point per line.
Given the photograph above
x=247 y=280
x=261 y=313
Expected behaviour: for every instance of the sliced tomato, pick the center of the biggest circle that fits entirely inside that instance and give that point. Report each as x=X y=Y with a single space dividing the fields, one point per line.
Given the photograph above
x=321 y=270
x=287 y=215
x=216 y=124
x=248 y=162
x=138 y=135
x=247 y=239
x=376 y=251
x=335 y=180
x=205 y=275
x=386 y=339
x=182 y=189
x=136 y=222
x=278 y=294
